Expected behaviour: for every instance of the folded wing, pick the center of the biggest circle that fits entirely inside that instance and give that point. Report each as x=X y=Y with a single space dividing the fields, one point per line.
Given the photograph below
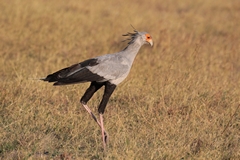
x=99 y=69
x=77 y=73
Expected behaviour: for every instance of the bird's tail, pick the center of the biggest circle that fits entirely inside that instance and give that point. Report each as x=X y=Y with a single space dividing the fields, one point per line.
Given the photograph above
x=43 y=79
x=51 y=77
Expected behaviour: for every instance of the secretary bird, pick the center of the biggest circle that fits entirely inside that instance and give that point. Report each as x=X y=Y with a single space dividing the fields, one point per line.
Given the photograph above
x=107 y=70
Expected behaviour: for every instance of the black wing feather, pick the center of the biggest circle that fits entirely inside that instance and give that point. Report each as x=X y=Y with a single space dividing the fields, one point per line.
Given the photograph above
x=77 y=73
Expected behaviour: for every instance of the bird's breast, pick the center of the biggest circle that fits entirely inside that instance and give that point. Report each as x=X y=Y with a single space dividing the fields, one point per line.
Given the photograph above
x=118 y=80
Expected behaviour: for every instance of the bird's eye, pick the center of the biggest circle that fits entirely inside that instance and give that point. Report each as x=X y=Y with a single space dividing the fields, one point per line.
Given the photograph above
x=148 y=36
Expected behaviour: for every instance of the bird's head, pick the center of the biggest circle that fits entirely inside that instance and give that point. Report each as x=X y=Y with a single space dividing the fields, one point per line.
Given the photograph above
x=141 y=37
x=147 y=38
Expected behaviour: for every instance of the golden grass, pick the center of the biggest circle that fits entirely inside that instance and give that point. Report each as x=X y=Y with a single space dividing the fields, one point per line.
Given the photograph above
x=181 y=100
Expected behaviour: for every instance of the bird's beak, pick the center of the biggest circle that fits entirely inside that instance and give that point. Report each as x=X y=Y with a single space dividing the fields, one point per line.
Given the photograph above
x=150 y=42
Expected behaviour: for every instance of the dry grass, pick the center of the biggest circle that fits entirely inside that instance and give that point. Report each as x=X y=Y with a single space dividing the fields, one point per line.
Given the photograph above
x=181 y=100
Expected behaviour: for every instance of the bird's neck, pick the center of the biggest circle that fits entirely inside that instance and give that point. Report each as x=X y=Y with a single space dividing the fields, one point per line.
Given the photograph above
x=131 y=51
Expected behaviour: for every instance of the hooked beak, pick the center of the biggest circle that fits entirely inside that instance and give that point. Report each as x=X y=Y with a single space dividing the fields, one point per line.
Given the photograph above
x=150 y=42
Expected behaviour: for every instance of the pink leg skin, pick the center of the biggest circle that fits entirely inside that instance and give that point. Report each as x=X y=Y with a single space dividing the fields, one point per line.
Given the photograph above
x=104 y=136
x=90 y=112
x=104 y=133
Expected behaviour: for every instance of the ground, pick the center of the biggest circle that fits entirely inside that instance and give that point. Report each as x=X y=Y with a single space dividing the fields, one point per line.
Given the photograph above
x=180 y=101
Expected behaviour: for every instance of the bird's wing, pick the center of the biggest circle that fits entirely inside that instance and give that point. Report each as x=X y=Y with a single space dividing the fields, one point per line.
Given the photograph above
x=99 y=69
x=76 y=73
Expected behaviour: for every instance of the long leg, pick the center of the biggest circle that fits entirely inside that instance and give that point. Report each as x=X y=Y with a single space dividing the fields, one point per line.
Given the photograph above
x=104 y=136
x=109 y=88
x=91 y=113
x=96 y=120
x=94 y=86
x=87 y=96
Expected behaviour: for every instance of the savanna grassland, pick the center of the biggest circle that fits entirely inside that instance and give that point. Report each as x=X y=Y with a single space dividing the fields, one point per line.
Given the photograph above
x=180 y=101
